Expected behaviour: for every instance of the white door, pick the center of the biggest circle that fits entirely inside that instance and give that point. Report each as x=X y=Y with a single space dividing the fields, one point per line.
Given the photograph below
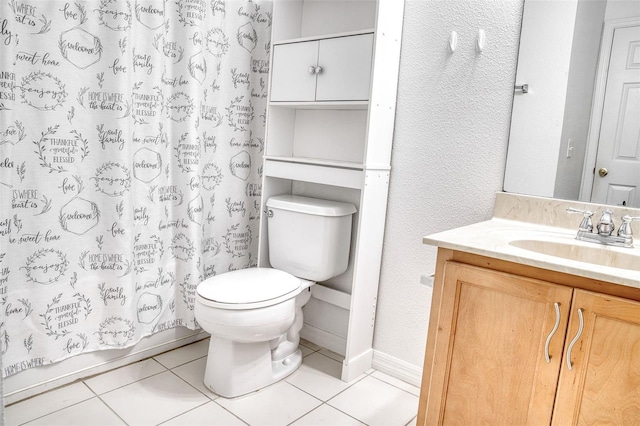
x=617 y=169
x=346 y=68
x=291 y=77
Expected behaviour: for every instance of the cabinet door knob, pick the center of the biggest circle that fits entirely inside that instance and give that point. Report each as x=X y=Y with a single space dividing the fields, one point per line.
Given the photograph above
x=312 y=70
x=318 y=69
x=575 y=339
x=547 y=357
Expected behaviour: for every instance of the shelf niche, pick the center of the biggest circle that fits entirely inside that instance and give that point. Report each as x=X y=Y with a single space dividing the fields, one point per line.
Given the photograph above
x=312 y=18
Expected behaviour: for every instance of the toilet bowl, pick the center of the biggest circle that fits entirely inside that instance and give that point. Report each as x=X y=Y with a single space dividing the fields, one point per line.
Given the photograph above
x=255 y=315
x=254 y=342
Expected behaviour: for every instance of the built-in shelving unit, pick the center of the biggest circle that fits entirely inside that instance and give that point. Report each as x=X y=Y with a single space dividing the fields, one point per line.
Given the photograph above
x=334 y=71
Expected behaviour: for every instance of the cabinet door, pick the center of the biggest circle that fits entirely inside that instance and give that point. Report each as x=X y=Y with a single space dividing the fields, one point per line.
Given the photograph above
x=291 y=79
x=603 y=384
x=346 y=68
x=493 y=331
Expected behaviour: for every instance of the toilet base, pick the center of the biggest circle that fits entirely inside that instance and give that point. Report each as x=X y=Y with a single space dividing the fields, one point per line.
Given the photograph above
x=237 y=368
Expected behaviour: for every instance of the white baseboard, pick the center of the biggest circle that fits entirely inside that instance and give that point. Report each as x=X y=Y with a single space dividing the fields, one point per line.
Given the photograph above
x=387 y=364
x=355 y=367
x=397 y=368
x=322 y=338
x=66 y=372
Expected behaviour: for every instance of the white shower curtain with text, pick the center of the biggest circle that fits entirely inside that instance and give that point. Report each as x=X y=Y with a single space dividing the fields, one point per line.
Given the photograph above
x=131 y=139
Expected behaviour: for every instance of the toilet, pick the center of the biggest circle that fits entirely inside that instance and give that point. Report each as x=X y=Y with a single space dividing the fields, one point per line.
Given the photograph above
x=254 y=315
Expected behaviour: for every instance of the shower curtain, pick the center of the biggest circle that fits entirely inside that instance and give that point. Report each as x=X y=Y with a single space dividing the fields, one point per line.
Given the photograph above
x=131 y=138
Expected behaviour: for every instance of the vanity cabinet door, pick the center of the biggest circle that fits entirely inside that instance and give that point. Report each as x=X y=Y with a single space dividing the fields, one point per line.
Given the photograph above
x=603 y=384
x=489 y=364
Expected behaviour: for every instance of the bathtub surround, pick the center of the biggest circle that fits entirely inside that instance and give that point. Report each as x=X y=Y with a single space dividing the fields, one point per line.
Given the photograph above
x=131 y=141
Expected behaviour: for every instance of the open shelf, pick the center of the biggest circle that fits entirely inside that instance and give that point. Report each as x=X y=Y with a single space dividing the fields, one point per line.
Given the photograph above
x=301 y=20
x=324 y=36
x=326 y=172
x=316 y=161
x=334 y=105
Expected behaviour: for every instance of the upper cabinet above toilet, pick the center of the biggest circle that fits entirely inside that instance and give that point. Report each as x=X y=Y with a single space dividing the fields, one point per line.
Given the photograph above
x=333 y=69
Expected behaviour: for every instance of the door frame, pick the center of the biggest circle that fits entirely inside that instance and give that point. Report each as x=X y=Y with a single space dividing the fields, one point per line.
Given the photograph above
x=597 y=104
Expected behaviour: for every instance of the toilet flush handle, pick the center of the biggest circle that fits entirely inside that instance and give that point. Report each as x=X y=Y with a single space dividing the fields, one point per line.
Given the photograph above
x=269 y=212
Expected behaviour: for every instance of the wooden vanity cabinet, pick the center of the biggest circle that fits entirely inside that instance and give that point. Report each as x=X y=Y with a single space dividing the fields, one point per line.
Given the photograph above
x=603 y=385
x=497 y=347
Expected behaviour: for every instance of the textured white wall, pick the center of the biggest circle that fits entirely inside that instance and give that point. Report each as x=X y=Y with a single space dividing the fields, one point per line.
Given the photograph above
x=452 y=128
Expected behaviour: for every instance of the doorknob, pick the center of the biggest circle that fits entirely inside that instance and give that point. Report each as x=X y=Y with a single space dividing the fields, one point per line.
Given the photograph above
x=603 y=172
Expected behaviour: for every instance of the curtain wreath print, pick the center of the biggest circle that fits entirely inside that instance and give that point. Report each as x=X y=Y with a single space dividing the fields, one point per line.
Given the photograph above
x=131 y=143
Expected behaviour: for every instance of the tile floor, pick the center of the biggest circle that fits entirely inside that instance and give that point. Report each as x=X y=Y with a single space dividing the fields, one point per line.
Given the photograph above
x=167 y=389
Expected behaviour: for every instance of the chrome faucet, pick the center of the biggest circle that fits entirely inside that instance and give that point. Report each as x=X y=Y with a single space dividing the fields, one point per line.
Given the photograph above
x=605 y=224
x=604 y=229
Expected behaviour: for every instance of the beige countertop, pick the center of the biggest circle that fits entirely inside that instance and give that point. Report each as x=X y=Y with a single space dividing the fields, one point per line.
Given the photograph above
x=520 y=218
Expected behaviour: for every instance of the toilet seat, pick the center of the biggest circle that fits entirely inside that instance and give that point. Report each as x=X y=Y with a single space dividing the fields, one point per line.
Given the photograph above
x=248 y=288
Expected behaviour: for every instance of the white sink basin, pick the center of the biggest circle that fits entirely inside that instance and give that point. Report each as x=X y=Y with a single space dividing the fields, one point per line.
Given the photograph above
x=621 y=258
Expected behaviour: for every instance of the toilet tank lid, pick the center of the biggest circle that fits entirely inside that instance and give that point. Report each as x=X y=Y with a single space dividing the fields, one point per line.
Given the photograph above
x=309 y=205
x=246 y=286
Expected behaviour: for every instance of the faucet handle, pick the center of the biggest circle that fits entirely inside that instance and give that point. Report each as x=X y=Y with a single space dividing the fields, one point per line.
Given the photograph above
x=606 y=224
x=625 y=227
x=586 y=225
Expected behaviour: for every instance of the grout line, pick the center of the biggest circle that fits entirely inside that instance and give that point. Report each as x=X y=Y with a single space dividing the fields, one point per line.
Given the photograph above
x=414 y=418
x=308 y=412
x=229 y=411
x=392 y=385
x=128 y=384
x=199 y=391
x=185 y=412
x=111 y=408
x=179 y=365
x=59 y=409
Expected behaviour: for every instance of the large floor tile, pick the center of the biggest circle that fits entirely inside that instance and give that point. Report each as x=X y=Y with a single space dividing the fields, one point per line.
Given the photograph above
x=123 y=376
x=331 y=354
x=377 y=403
x=278 y=404
x=319 y=376
x=326 y=415
x=311 y=346
x=396 y=382
x=46 y=403
x=154 y=399
x=90 y=412
x=305 y=350
x=210 y=414
x=193 y=373
x=184 y=354
x=413 y=421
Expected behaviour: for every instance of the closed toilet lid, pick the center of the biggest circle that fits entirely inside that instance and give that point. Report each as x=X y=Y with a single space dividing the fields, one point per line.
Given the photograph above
x=249 y=286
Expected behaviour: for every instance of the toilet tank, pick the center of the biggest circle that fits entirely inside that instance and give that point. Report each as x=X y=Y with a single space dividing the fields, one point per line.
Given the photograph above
x=309 y=237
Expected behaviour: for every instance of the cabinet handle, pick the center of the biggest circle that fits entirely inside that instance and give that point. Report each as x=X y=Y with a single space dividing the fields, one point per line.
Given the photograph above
x=318 y=69
x=575 y=339
x=312 y=70
x=547 y=357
